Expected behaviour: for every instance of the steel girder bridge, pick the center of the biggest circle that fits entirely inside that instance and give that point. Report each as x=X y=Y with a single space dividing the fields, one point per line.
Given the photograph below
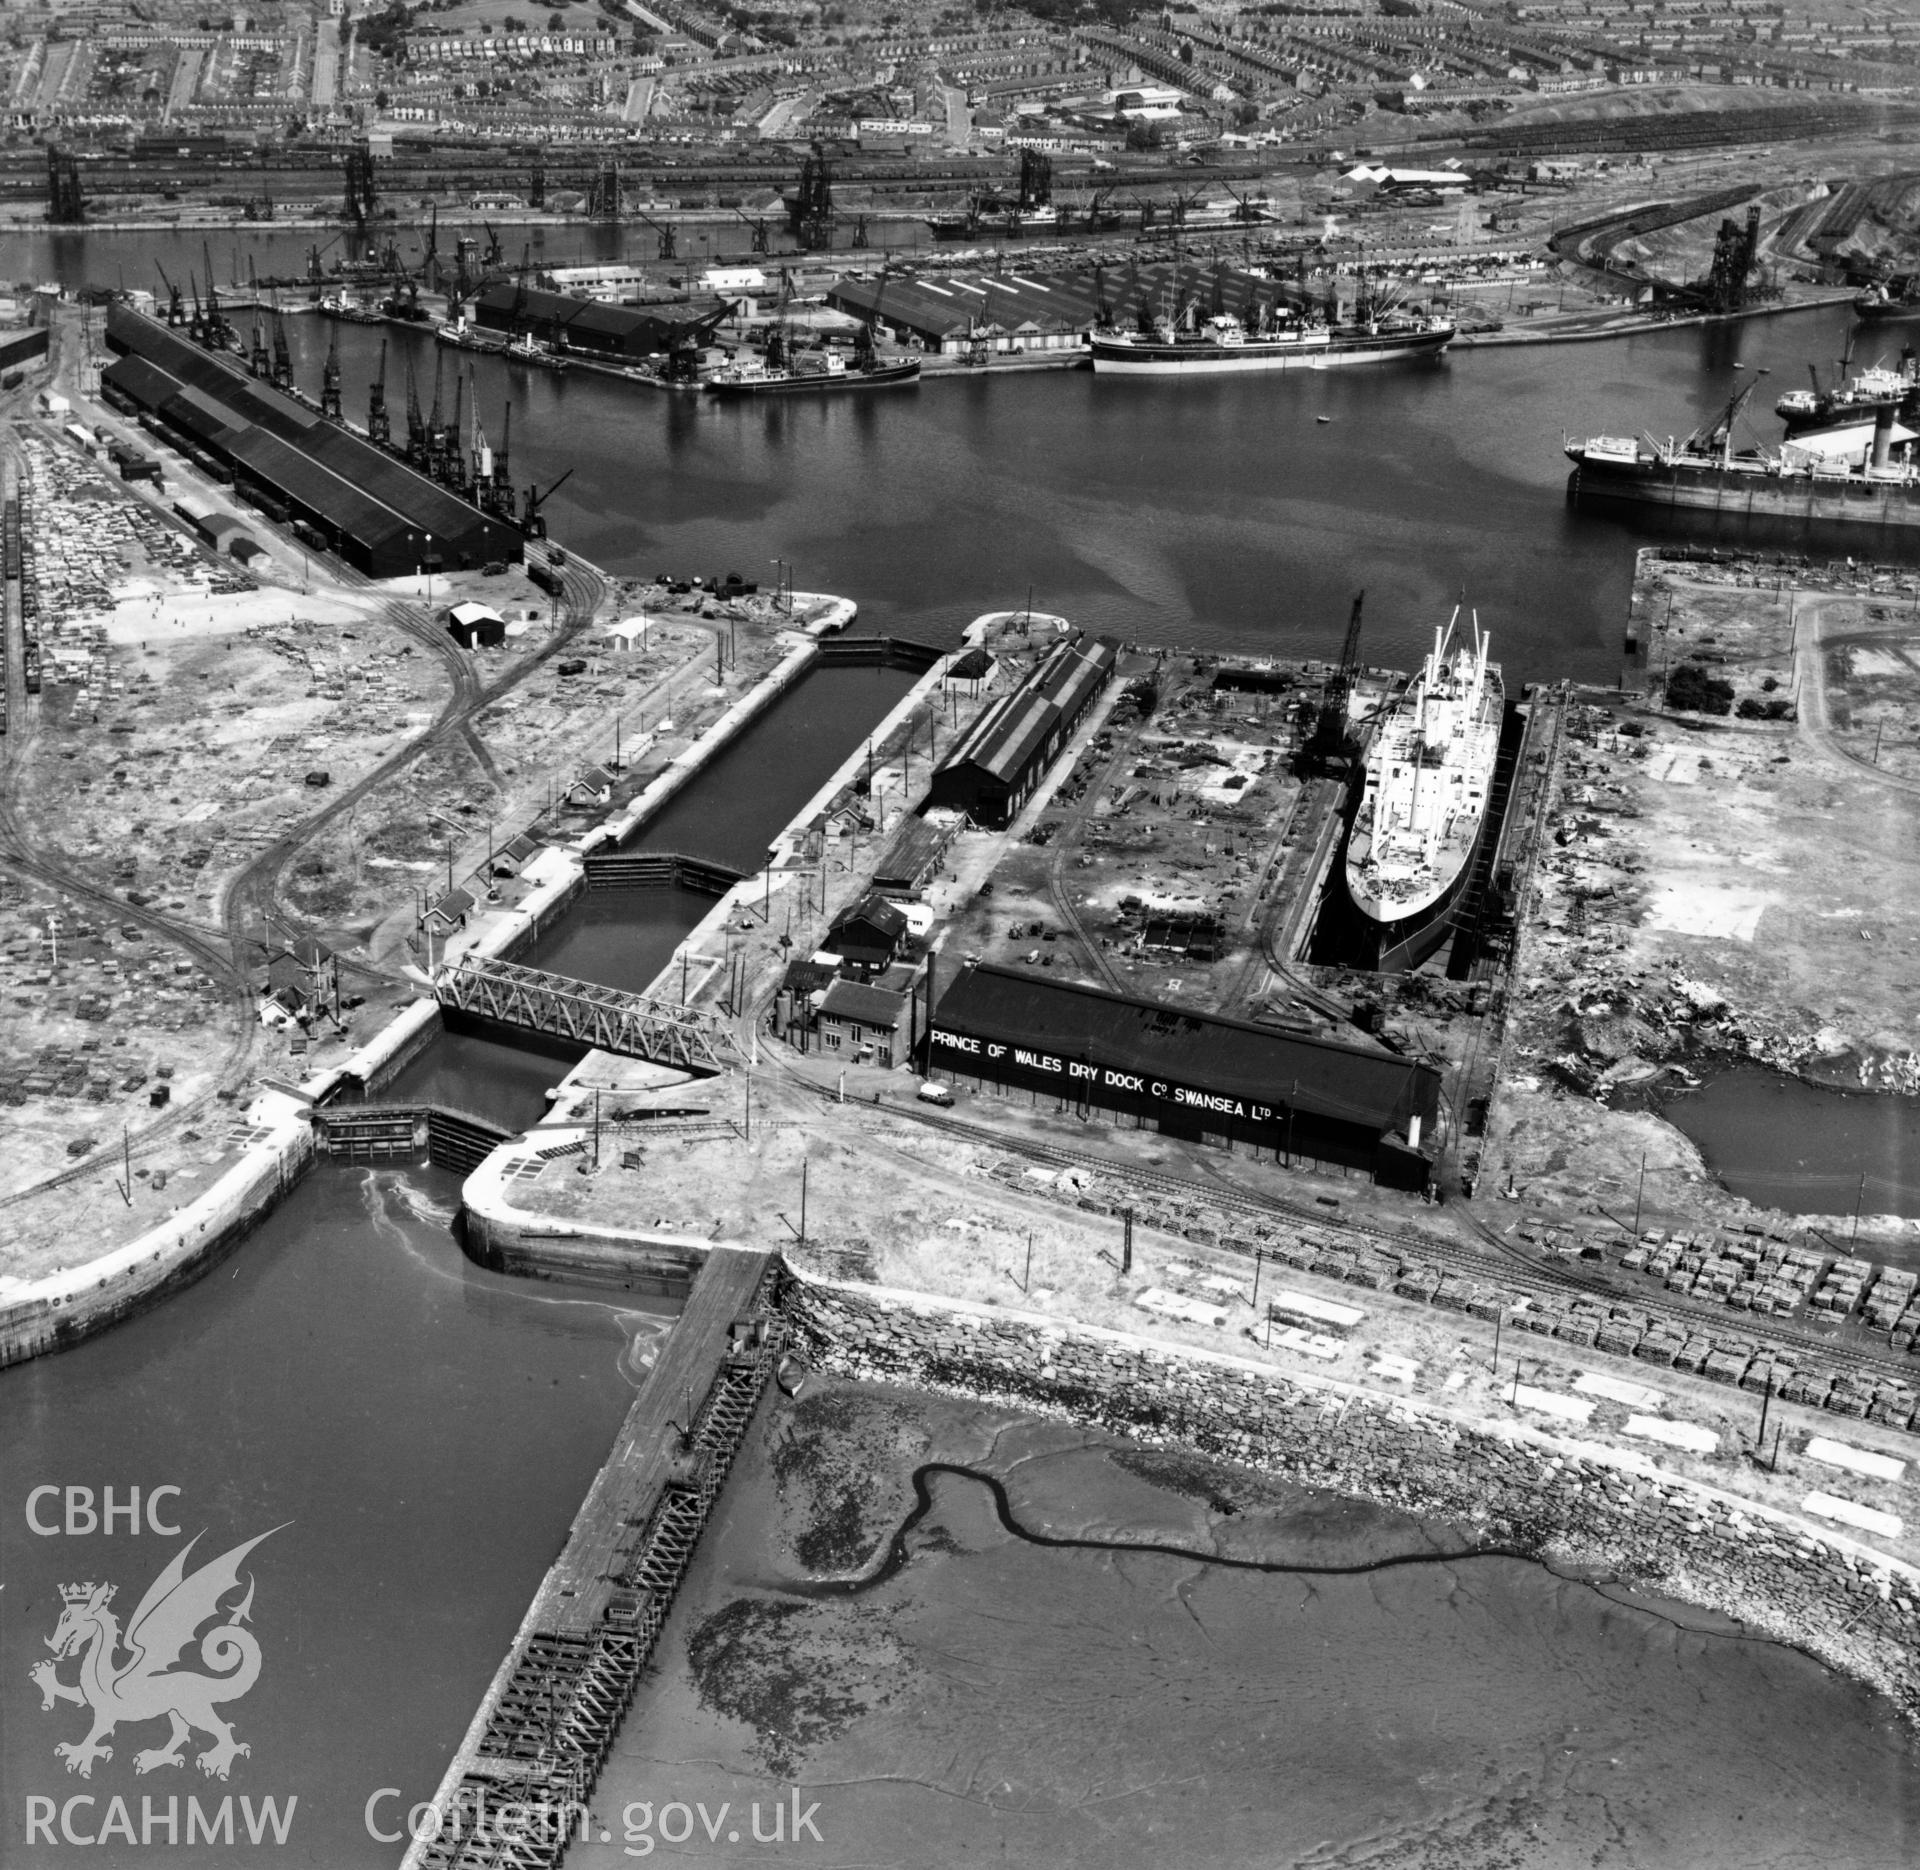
x=588 y=1014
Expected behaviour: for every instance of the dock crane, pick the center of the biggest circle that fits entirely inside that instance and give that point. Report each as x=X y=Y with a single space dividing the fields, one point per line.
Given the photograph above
x=456 y=448
x=379 y=425
x=430 y=257
x=532 y=521
x=176 y=307
x=480 y=456
x=219 y=333
x=495 y=255
x=258 y=364
x=1331 y=747
x=665 y=247
x=436 y=428
x=760 y=237
x=330 y=408
x=282 y=356
x=417 y=453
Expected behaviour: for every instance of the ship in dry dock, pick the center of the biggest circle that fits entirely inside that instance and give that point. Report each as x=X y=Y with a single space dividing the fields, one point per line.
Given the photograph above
x=1429 y=778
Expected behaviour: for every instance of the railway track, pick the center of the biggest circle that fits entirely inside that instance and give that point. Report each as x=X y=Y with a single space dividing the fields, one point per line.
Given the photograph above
x=1514 y=1269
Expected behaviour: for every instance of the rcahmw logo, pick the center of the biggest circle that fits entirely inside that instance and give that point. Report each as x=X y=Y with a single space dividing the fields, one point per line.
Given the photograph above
x=134 y=1677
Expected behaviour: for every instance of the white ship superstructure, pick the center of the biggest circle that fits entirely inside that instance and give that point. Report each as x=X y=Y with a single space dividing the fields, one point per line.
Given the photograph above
x=1429 y=775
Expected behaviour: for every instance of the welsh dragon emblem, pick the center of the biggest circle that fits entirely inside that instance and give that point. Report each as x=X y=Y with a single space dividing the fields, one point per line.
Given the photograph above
x=133 y=1678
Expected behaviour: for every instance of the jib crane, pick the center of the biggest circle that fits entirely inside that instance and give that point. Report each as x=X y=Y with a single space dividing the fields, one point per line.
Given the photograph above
x=1331 y=745
x=379 y=425
x=330 y=380
x=665 y=246
x=176 y=307
x=416 y=425
x=532 y=521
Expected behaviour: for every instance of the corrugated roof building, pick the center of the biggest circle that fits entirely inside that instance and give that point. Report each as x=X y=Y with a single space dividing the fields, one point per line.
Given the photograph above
x=1187 y=1073
x=992 y=769
x=624 y=332
x=380 y=515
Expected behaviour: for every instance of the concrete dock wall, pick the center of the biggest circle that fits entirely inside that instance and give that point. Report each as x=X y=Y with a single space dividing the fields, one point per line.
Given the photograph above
x=535 y=1246
x=57 y=1312
x=1567 y=1503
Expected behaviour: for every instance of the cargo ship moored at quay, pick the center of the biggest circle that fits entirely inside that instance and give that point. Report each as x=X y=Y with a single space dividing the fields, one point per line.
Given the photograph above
x=1223 y=345
x=1786 y=483
x=810 y=373
x=1429 y=777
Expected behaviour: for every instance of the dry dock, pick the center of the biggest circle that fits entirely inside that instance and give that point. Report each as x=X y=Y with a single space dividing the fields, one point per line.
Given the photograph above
x=549 y=1715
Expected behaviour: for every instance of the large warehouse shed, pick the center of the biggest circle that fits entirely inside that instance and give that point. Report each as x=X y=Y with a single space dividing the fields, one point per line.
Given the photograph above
x=382 y=517
x=1025 y=308
x=624 y=332
x=992 y=769
x=1188 y=1074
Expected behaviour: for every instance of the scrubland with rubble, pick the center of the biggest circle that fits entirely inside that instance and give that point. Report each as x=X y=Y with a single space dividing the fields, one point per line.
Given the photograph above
x=1732 y=886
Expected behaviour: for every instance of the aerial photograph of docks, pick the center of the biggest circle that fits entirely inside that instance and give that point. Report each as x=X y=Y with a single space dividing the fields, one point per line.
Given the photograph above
x=944 y=934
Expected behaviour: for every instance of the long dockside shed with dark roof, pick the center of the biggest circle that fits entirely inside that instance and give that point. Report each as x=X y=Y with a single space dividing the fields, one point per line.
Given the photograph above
x=382 y=517
x=620 y=333
x=1188 y=1074
x=992 y=769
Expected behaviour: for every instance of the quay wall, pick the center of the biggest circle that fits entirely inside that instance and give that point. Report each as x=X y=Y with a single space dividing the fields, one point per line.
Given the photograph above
x=57 y=1312
x=755 y=702
x=1571 y=1504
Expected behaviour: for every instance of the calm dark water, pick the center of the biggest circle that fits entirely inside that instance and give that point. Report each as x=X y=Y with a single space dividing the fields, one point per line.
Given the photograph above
x=1216 y=513
x=731 y=812
x=618 y=938
x=420 y=1430
x=739 y=803
x=1804 y=1148
x=503 y=1078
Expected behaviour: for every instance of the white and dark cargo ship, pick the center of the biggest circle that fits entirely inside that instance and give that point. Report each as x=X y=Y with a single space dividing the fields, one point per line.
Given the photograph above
x=1429 y=778
x=1223 y=344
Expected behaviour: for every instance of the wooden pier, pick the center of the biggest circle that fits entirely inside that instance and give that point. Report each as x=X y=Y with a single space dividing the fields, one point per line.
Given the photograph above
x=553 y=1708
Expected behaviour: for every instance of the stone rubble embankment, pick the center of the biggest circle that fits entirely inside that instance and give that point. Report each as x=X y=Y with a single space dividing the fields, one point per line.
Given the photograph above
x=1568 y=1504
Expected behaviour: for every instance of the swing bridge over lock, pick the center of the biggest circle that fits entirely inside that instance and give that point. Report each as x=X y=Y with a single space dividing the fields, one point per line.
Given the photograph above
x=610 y=1019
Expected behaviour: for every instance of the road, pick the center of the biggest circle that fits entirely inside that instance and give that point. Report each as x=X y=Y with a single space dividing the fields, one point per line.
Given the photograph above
x=1810 y=666
x=253 y=895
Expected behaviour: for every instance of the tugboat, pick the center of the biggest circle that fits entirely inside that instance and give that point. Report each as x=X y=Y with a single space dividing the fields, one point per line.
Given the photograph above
x=1429 y=776
x=349 y=311
x=464 y=335
x=524 y=349
x=1889 y=299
